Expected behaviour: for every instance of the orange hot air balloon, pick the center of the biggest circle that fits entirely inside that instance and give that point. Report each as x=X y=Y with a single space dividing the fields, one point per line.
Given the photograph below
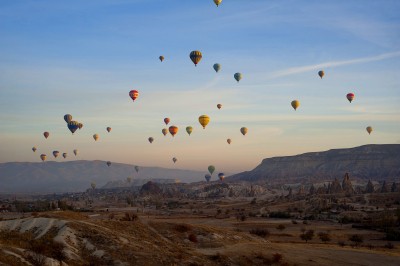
x=229 y=141
x=350 y=96
x=164 y=131
x=219 y=106
x=96 y=137
x=243 y=130
x=321 y=74
x=133 y=94
x=173 y=130
x=195 y=56
x=295 y=104
x=166 y=120
x=108 y=129
x=369 y=129
x=46 y=134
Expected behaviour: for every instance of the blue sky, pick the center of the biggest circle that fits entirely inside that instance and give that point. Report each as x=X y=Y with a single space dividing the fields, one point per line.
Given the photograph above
x=83 y=57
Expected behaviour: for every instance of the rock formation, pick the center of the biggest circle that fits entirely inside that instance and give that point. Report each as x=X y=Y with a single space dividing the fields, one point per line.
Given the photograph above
x=335 y=187
x=394 y=187
x=384 y=188
x=370 y=187
x=347 y=186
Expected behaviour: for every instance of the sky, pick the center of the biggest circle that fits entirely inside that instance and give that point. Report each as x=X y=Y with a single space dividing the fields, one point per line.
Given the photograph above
x=83 y=57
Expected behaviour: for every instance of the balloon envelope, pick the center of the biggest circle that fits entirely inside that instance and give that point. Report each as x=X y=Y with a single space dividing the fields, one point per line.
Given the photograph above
x=350 y=97
x=34 y=149
x=164 y=131
x=108 y=163
x=137 y=169
x=211 y=169
x=243 y=130
x=207 y=177
x=321 y=73
x=217 y=67
x=166 y=120
x=238 y=76
x=76 y=152
x=189 y=130
x=46 y=134
x=108 y=129
x=55 y=154
x=96 y=137
x=174 y=160
x=133 y=94
x=295 y=104
x=73 y=126
x=65 y=155
x=173 y=130
x=43 y=157
x=195 y=56
x=217 y=2
x=151 y=140
x=221 y=176
x=68 y=118
x=161 y=58
x=204 y=120
x=219 y=106
x=369 y=129
x=229 y=141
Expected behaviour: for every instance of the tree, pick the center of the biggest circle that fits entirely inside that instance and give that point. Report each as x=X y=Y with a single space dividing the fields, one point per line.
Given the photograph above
x=324 y=237
x=356 y=239
x=307 y=235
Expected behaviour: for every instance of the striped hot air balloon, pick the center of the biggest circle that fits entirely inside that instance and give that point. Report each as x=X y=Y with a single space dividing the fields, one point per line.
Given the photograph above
x=195 y=56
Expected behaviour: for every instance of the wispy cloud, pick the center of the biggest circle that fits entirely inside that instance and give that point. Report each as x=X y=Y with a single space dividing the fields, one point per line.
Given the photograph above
x=302 y=69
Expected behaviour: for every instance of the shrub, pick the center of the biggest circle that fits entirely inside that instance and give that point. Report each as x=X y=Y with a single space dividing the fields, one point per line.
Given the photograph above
x=278 y=214
x=307 y=235
x=277 y=257
x=281 y=227
x=324 y=237
x=243 y=217
x=259 y=232
x=193 y=238
x=393 y=235
x=294 y=222
x=356 y=239
x=182 y=228
x=341 y=243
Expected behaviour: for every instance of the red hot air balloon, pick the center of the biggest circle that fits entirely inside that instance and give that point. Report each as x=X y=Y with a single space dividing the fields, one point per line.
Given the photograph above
x=46 y=134
x=173 y=130
x=133 y=94
x=350 y=96
x=166 y=120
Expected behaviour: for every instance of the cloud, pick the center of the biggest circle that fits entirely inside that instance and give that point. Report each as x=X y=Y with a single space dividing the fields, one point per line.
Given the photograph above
x=302 y=69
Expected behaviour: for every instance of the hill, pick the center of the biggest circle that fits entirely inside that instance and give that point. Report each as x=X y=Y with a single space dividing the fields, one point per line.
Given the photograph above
x=74 y=176
x=377 y=162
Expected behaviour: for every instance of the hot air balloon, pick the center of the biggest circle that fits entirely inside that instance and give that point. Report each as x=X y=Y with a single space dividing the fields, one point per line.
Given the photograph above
x=174 y=160
x=350 y=96
x=43 y=157
x=108 y=163
x=133 y=94
x=211 y=169
x=295 y=104
x=195 y=56
x=108 y=129
x=96 y=137
x=207 y=177
x=34 y=149
x=46 y=134
x=173 y=130
x=321 y=73
x=189 y=130
x=68 y=118
x=217 y=67
x=76 y=152
x=164 y=131
x=204 y=120
x=229 y=141
x=369 y=129
x=161 y=58
x=56 y=153
x=73 y=126
x=137 y=169
x=166 y=120
x=238 y=76
x=93 y=185
x=221 y=176
x=65 y=155
x=80 y=126
x=217 y=2
x=243 y=130
x=219 y=106
x=151 y=140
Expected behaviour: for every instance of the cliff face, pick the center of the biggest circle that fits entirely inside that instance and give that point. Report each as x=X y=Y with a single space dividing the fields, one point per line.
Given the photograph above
x=377 y=162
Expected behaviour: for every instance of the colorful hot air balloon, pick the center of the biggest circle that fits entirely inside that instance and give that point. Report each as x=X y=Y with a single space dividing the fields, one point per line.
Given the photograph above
x=164 y=131
x=221 y=176
x=217 y=2
x=46 y=134
x=96 y=137
x=56 y=153
x=65 y=155
x=195 y=56
x=68 y=118
x=80 y=126
x=350 y=96
x=73 y=126
x=108 y=129
x=166 y=120
x=217 y=67
x=369 y=129
x=219 y=106
x=295 y=104
x=238 y=76
x=174 y=160
x=321 y=73
x=204 y=120
x=173 y=130
x=243 y=130
x=229 y=141
x=207 y=177
x=43 y=157
x=133 y=94
x=137 y=169
x=211 y=169
x=76 y=152
x=151 y=140
x=161 y=58
x=108 y=163
x=189 y=130
x=34 y=149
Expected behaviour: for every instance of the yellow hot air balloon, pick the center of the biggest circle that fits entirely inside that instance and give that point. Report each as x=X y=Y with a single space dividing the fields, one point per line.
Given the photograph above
x=369 y=129
x=204 y=120
x=96 y=137
x=164 y=131
x=243 y=130
x=43 y=157
x=195 y=56
x=189 y=130
x=217 y=2
x=295 y=104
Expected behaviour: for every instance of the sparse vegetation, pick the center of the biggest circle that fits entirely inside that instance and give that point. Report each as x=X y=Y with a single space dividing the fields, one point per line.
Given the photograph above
x=324 y=237
x=307 y=235
x=260 y=232
x=356 y=239
x=281 y=227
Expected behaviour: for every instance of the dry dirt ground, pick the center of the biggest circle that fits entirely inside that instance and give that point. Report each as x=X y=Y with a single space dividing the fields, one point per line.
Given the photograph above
x=95 y=239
